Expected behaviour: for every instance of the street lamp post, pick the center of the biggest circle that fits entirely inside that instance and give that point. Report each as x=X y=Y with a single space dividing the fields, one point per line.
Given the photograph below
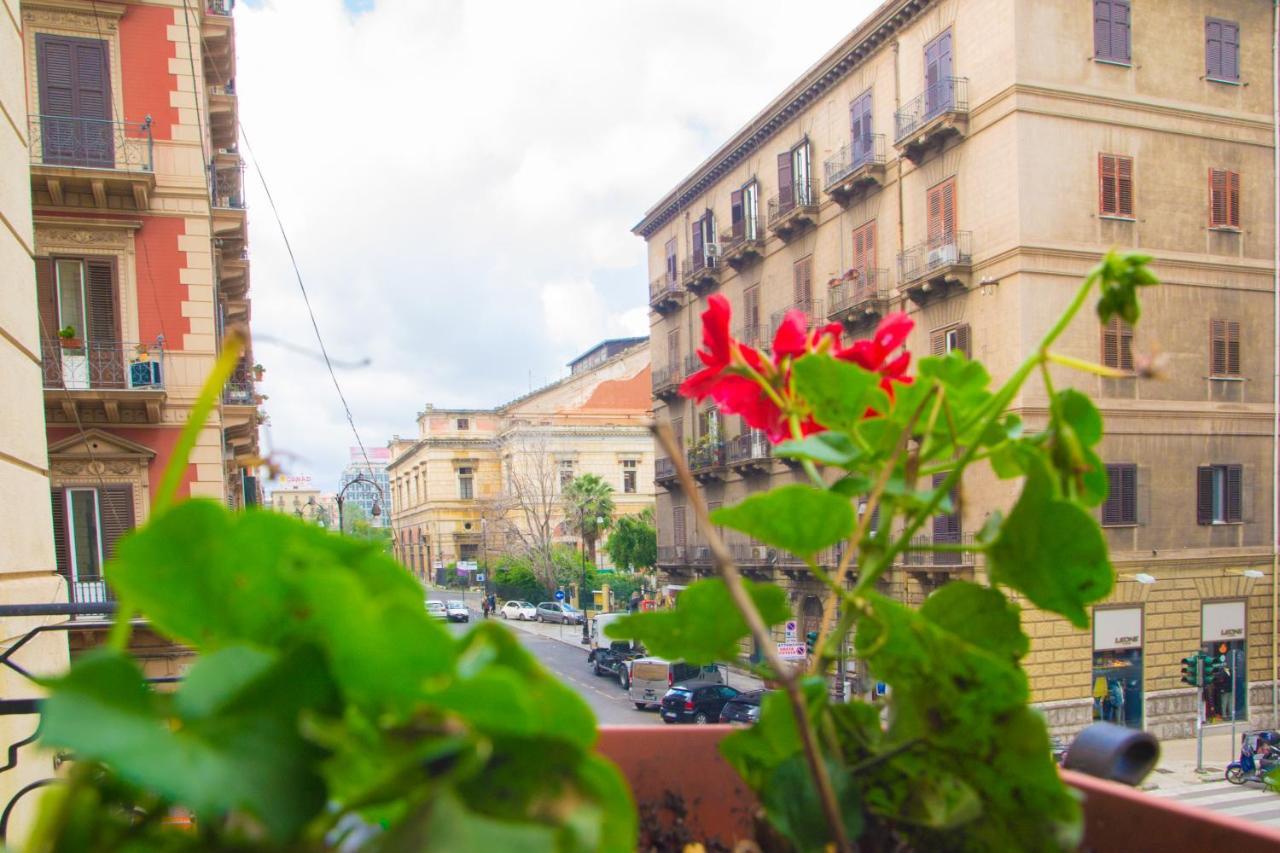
x=377 y=503
x=582 y=590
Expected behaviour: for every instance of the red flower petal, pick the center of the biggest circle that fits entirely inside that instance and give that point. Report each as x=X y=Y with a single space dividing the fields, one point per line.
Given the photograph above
x=791 y=337
x=892 y=331
x=715 y=331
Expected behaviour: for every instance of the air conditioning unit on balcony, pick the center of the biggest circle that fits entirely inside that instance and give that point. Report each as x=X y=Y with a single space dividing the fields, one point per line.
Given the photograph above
x=679 y=549
x=943 y=255
x=760 y=552
x=144 y=374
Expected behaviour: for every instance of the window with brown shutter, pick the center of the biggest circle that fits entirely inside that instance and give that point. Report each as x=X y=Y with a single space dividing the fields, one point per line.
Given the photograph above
x=751 y=333
x=1219 y=494
x=1111 y=30
x=737 y=222
x=1224 y=199
x=1121 y=505
x=802 y=282
x=946 y=526
x=672 y=274
x=941 y=207
x=1224 y=348
x=786 y=194
x=864 y=249
x=677 y=526
x=673 y=350
x=952 y=338
x=1221 y=50
x=1117 y=345
x=677 y=429
x=75 y=101
x=58 y=500
x=1115 y=185
x=115 y=503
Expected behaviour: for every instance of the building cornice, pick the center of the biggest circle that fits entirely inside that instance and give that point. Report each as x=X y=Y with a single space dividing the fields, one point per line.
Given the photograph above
x=879 y=28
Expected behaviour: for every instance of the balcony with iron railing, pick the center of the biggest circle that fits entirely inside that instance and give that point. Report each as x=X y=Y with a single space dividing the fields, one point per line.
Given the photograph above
x=224 y=128
x=664 y=472
x=940 y=263
x=753 y=335
x=241 y=389
x=219 y=7
x=792 y=211
x=96 y=158
x=929 y=119
x=700 y=557
x=750 y=450
x=123 y=380
x=939 y=560
x=813 y=315
x=743 y=243
x=664 y=294
x=855 y=168
x=666 y=380
x=228 y=182
x=862 y=295
x=707 y=458
x=753 y=557
x=673 y=556
x=89 y=588
x=701 y=273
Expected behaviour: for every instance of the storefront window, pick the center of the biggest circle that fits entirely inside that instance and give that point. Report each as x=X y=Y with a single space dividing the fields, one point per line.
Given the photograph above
x=1117 y=667
x=1226 y=693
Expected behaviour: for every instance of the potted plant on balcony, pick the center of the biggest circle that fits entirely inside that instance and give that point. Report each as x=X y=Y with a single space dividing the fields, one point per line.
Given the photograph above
x=69 y=338
x=258 y=370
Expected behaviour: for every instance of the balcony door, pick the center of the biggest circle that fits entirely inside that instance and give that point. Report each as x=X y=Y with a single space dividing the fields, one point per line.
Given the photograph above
x=79 y=295
x=864 y=252
x=86 y=524
x=860 y=130
x=946 y=527
x=75 y=101
x=800 y=173
x=937 y=75
x=942 y=214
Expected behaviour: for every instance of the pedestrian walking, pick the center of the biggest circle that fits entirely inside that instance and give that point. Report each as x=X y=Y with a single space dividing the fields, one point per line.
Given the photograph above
x=484 y=606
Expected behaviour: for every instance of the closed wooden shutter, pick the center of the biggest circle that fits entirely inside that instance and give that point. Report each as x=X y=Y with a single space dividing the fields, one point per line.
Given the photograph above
x=937 y=74
x=61 y=552
x=1204 y=494
x=1230 y=51
x=673 y=349
x=860 y=128
x=1111 y=30
x=1234 y=493
x=1124 y=186
x=106 y=354
x=737 y=221
x=672 y=275
x=1224 y=348
x=677 y=526
x=47 y=301
x=75 y=100
x=1224 y=198
x=697 y=242
x=802 y=281
x=786 y=194
x=115 y=505
x=751 y=315
x=1221 y=49
x=864 y=247
x=677 y=429
x=961 y=342
x=1121 y=505
x=1117 y=345
x=1115 y=185
x=941 y=204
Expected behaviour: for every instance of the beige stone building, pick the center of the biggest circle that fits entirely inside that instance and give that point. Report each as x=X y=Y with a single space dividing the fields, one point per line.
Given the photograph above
x=477 y=483
x=968 y=161
x=295 y=495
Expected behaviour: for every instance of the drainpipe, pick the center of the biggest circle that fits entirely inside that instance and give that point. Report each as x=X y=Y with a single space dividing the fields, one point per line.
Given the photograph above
x=897 y=105
x=1275 y=371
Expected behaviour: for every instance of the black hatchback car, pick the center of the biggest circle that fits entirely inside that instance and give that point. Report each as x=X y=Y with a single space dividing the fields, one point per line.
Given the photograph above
x=743 y=708
x=695 y=702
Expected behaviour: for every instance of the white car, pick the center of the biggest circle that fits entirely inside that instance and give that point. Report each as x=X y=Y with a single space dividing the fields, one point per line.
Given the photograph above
x=437 y=610
x=522 y=610
x=457 y=611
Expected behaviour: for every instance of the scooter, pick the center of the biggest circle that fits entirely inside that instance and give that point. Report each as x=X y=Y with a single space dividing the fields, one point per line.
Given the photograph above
x=1259 y=754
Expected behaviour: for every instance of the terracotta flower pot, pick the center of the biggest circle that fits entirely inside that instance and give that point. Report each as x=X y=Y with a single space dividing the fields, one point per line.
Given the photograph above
x=687 y=793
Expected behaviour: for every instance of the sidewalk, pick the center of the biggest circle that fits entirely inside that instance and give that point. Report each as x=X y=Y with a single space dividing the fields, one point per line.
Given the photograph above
x=1177 y=766
x=571 y=635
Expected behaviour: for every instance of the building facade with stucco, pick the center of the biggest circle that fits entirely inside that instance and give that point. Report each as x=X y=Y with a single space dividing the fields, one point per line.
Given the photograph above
x=478 y=483
x=968 y=161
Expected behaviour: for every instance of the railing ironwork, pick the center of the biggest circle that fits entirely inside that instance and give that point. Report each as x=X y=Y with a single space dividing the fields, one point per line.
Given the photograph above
x=939 y=559
x=811 y=308
x=707 y=454
x=93 y=143
x=745 y=231
x=800 y=197
x=752 y=553
x=948 y=95
x=228 y=186
x=664 y=469
x=945 y=250
x=673 y=555
x=865 y=287
x=240 y=389
x=667 y=379
x=83 y=365
x=750 y=446
x=663 y=289
x=864 y=151
x=220 y=7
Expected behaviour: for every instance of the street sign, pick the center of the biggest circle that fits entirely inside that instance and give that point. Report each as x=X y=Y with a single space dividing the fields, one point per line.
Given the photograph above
x=791 y=630
x=559 y=595
x=792 y=651
x=479 y=577
x=467 y=565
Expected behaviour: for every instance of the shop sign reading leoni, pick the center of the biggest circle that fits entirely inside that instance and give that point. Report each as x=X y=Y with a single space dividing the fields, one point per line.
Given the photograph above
x=1222 y=620
x=1117 y=629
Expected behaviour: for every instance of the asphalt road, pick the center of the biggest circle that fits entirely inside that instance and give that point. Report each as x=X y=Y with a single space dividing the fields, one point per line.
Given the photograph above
x=605 y=696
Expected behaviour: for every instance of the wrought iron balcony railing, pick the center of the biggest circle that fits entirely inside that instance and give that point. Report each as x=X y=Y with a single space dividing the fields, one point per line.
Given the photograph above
x=752 y=446
x=228 y=187
x=91 y=143
x=938 y=253
x=666 y=380
x=799 y=198
x=92 y=365
x=664 y=470
x=939 y=559
x=663 y=291
x=700 y=555
x=753 y=554
x=240 y=389
x=948 y=95
x=697 y=271
x=220 y=7
x=866 y=151
x=744 y=231
x=673 y=555
x=811 y=308
x=706 y=455
x=853 y=294
x=692 y=364
x=88 y=588
x=753 y=335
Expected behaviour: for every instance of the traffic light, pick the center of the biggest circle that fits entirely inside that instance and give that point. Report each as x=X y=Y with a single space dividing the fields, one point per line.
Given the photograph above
x=1189 y=674
x=811 y=642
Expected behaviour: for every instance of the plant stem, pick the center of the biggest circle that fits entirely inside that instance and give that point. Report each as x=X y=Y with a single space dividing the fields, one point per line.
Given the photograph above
x=760 y=632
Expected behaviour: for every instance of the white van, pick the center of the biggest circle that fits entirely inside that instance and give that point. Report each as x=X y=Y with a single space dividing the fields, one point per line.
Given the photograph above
x=649 y=679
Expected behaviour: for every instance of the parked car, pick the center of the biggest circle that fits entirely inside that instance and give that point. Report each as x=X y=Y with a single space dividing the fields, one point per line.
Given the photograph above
x=555 y=611
x=612 y=659
x=648 y=679
x=437 y=610
x=743 y=708
x=457 y=611
x=696 y=702
x=519 y=610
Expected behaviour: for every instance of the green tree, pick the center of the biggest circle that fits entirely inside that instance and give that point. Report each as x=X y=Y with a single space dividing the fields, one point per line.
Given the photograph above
x=633 y=544
x=356 y=524
x=514 y=577
x=588 y=504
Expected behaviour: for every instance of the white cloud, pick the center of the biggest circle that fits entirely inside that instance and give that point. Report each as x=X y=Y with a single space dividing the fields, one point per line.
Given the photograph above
x=459 y=180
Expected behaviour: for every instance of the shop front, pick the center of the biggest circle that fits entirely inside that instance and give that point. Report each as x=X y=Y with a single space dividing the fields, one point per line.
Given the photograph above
x=1226 y=692
x=1117 y=666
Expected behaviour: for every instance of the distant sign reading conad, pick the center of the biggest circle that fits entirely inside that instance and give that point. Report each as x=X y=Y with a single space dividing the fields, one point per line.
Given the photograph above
x=295 y=481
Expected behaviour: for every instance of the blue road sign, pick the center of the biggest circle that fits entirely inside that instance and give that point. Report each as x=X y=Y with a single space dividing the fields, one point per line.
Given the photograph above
x=559 y=595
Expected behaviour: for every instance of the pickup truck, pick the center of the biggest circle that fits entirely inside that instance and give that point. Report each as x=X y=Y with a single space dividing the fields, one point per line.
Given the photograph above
x=611 y=657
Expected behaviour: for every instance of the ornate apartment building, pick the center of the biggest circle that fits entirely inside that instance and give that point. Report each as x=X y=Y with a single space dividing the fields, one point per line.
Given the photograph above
x=141 y=264
x=968 y=161
x=477 y=483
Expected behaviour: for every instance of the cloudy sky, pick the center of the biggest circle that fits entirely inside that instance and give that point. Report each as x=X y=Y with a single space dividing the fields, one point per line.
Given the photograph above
x=459 y=181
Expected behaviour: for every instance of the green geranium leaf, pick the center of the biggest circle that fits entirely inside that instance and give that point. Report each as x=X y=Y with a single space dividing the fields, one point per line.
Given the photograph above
x=447 y=824
x=829 y=448
x=793 y=806
x=704 y=627
x=839 y=392
x=1079 y=411
x=757 y=751
x=215 y=679
x=1051 y=550
x=980 y=615
x=796 y=518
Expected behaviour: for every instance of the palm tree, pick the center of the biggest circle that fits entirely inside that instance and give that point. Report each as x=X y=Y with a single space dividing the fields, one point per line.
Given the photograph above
x=588 y=510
